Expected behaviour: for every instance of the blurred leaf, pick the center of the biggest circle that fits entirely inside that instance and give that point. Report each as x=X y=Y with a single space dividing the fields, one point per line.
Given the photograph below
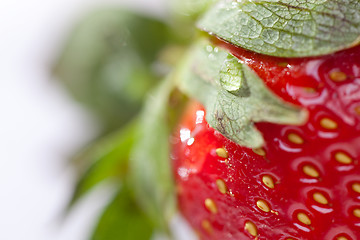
x=108 y=62
x=108 y=158
x=150 y=169
x=192 y=8
x=123 y=220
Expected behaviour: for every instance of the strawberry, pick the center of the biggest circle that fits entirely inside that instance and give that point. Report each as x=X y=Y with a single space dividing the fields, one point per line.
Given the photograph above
x=303 y=183
x=269 y=145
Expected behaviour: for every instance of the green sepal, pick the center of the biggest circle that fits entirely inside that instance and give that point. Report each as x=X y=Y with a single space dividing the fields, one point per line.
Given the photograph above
x=286 y=28
x=150 y=169
x=234 y=96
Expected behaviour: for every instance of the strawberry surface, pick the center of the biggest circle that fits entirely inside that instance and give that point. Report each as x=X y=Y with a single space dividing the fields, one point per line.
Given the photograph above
x=304 y=183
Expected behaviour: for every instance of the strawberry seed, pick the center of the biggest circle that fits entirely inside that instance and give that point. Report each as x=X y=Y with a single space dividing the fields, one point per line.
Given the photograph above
x=320 y=198
x=221 y=152
x=295 y=138
x=268 y=181
x=259 y=151
x=338 y=76
x=303 y=218
x=206 y=225
x=356 y=212
x=263 y=205
x=221 y=185
x=328 y=123
x=356 y=187
x=211 y=205
x=310 y=171
x=343 y=158
x=251 y=228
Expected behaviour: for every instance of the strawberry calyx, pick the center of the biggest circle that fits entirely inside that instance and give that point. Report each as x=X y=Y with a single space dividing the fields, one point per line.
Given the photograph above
x=234 y=96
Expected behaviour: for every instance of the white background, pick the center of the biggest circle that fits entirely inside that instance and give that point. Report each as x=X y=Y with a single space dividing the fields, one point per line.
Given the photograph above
x=40 y=126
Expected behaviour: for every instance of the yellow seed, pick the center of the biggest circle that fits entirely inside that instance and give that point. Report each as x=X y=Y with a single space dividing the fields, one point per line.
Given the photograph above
x=357 y=110
x=295 y=138
x=320 y=198
x=221 y=185
x=263 y=206
x=328 y=123
x=211 y=205
x=310 y=90
x=197 y=233
x=311 y=171
x=302 y=217
x=342 y=238
x=251 y=228
x=356 y=187
x=268 y=181
x=259 y=151
x=221 y=152
x=356 y=212
x=343 y=158
x=206 y=225
x=338 y=76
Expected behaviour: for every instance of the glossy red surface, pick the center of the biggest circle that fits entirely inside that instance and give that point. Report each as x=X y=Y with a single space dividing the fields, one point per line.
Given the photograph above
x=329 y=88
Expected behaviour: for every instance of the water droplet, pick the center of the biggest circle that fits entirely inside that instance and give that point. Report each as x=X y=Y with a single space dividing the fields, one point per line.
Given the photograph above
x=200 y=116
x=184 y=134
x=209 y=48
x=190 y=141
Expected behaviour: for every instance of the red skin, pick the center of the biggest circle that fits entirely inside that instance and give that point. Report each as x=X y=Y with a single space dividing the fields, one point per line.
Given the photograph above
x=197 y=166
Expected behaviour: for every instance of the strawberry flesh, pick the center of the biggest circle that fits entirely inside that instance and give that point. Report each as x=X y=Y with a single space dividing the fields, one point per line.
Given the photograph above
x=304 y=184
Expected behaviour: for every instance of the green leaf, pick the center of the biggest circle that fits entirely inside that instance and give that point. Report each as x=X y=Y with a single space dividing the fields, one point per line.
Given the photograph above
x=122 y=219
x=108 y=62
x=234 y=96
x=151 y=173
x=286 y=28
x=108 y=159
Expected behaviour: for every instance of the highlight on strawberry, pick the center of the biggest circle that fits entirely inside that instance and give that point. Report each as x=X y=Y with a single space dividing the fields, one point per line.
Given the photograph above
x=253 y=133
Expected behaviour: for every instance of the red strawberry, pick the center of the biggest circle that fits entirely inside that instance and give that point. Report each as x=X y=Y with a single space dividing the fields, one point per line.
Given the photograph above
x=304 y=184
